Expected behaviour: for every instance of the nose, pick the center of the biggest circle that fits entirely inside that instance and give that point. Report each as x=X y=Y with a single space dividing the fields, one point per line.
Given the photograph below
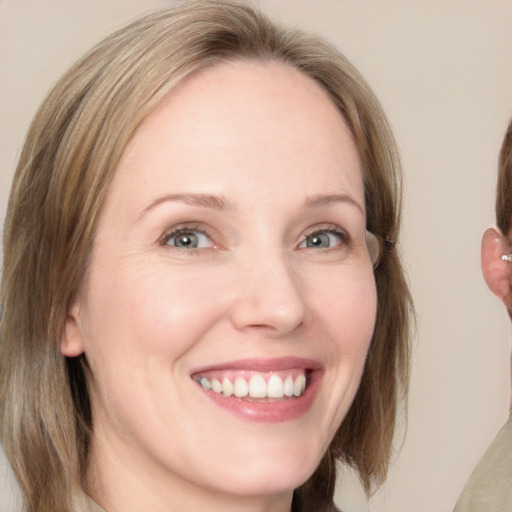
x=270 y=296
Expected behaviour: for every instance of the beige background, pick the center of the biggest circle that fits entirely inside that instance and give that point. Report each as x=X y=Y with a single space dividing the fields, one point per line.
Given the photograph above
x=443 y=70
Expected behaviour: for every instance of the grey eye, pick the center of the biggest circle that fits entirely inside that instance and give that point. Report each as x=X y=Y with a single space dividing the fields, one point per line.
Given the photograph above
x=186 y=240
x=322 y=240
x=189 y=240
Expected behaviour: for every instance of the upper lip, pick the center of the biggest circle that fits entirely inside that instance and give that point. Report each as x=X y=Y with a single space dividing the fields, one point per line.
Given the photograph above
x=263 y=365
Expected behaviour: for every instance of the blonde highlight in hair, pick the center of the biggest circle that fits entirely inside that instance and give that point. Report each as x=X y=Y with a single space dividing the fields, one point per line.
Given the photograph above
x=68 y=160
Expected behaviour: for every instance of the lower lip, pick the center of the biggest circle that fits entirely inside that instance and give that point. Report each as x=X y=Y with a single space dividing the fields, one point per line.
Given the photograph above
x=269 y=412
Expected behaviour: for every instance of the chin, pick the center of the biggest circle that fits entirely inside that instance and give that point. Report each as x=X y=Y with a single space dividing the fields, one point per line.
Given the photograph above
x=270 y=475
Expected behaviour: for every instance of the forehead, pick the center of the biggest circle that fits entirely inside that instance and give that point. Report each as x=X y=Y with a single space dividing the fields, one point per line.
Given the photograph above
x=249 y=120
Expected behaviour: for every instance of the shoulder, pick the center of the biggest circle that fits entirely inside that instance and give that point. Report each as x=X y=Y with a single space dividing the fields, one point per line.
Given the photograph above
x=489 y=487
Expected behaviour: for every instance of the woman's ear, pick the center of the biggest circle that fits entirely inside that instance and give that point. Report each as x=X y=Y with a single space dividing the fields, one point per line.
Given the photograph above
x=71 y=344
x=497 y=272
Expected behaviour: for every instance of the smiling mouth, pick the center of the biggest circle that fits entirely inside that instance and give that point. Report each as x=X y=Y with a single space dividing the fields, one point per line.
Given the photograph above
x=262 y=390
x=254 y=385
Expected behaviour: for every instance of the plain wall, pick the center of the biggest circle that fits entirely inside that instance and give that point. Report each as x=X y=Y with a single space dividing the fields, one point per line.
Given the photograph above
x=443 y=71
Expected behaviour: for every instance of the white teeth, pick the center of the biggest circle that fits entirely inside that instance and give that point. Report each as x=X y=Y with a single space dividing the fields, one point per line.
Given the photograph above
x=288 y=386
x=275 y=387
x=241 y=388
x=205 y=383
x=257 y=387
x=227 y=387
x=216 y=386
x=300 y=385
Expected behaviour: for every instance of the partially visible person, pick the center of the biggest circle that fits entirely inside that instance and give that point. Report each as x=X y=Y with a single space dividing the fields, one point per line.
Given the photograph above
x=489 y=489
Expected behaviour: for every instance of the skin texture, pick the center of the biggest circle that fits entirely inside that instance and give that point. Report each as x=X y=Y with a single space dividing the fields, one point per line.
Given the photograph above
x=266 y=142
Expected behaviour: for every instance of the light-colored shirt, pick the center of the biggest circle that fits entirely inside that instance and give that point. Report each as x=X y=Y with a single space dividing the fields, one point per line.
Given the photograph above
x=489 y=488
x=94 y=507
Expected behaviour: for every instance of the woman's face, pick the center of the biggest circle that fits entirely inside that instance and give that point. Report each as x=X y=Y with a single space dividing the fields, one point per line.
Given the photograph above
x=229 y=258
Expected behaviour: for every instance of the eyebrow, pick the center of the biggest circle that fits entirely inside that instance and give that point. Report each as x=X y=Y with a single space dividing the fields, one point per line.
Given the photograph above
x=221 y=203
x=202 y=200
x=319 y=200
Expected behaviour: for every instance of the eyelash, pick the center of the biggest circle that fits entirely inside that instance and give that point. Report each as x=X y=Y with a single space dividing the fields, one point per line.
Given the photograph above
x=195 y=228
x=331 y=229
x=199 y=228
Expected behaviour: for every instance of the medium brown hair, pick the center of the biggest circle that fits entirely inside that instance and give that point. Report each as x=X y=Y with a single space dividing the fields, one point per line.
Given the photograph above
x=504 y=187
x=67 y=163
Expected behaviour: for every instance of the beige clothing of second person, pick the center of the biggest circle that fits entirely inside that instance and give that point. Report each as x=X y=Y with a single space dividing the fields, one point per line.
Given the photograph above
x=489 y=488
x=94 y=507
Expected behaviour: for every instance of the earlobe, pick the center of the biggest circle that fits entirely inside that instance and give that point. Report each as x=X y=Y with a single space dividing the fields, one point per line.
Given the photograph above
x=71 y=344
x=497 y=271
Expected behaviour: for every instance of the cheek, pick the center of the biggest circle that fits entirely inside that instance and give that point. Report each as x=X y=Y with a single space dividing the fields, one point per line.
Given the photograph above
x=140 y=327
x=345 y=310
x=148 y=311
x=346 y=306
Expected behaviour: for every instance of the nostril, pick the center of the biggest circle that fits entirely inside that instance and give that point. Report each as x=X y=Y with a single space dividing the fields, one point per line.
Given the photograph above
x=262 y=319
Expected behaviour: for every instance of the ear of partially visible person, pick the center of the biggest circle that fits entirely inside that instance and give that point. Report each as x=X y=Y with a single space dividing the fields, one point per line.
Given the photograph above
x=496 y=268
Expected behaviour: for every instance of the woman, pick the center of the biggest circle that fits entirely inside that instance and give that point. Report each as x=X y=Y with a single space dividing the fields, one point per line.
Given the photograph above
x=199 y=310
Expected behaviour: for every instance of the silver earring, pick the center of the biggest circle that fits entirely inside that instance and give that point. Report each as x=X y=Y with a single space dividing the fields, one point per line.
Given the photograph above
x=507 y=257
